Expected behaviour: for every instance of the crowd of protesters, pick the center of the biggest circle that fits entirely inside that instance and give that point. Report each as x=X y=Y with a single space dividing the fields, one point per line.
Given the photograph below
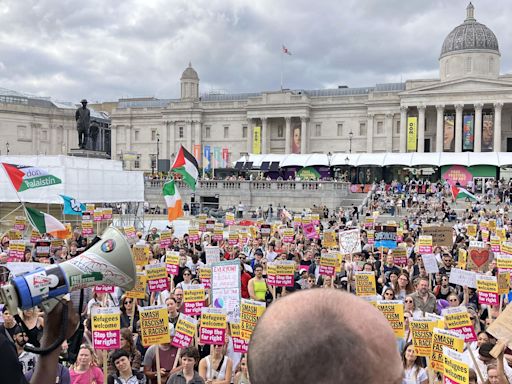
x=410 y=206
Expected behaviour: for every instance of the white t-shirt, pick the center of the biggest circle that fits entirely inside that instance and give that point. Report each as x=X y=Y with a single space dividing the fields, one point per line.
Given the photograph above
x=414 y=375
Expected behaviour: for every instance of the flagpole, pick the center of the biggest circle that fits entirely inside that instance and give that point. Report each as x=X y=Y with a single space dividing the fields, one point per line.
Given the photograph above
x=282 y=71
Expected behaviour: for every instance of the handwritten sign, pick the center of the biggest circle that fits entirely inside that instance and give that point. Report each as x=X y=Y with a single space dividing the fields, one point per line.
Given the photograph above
x=139 y=290
x=140 y=254
x=463 y=278
x=226 y=288
x=350 y=241
x=212 y=254
x=441 y=236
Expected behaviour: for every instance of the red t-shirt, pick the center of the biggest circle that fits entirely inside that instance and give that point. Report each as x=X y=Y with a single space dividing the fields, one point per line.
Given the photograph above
x=245 y=283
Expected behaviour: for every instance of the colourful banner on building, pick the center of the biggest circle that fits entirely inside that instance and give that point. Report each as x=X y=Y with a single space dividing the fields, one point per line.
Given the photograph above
x=225 y=157
x=412 y=133
x=468 y=133
x=197 y=153
x=487 y=133
x=207 y=159
x=216 y=157
x=449 y=133
x=256 y=140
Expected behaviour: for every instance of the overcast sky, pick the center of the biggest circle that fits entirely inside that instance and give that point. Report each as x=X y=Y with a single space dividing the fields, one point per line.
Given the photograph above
x=106 y=50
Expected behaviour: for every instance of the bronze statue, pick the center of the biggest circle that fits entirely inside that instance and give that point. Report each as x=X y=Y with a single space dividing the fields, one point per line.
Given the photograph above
x=83 y=121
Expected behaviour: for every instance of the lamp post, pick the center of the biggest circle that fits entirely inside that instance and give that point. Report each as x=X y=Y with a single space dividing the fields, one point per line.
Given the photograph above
x=347 y=160
x=329 y=156
x=157 y=150
x=350 y=134
x=7 y=147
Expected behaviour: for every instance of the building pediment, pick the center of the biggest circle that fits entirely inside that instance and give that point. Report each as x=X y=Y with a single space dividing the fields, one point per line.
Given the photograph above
x=462 y=86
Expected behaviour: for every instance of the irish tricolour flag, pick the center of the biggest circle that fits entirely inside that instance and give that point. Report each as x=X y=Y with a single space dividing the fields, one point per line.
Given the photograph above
x=45 y=223
x=172 y=200
x=462 y=193
x=25 y=177
x=186 y=165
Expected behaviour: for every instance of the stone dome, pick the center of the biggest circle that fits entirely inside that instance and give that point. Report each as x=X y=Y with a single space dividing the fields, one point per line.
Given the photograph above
x=470 y=35
x=189 y=73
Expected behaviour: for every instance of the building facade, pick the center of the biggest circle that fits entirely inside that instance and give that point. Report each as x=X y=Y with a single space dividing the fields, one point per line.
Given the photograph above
x=468 y=108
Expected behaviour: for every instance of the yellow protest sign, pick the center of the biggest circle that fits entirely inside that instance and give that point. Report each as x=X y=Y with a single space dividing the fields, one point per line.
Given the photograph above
x=140 y=254
x=172 y=260
x=184 y=332
x=154 y=325
x=503 y=282
x=463 y=258
x=205 y=276
x=213 y=326
x=130 y=232
x=139 y=290
x=329 y=240
x=365 y=283
x=487 y=289
x=456 y=370
x=250 y=312
x=421 y=331
x=471 y=228
x=14 y=234
x=501 y=233
x=443 y=338
x=393 y=310
x=339 y=261
x=20 y=223
x=504 y=262
x=492 y=225
x=90 y=207
x=457 y=319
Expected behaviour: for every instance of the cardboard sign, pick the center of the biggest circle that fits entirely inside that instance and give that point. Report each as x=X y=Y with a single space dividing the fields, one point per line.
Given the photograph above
x=212 y=253
x=213 y=326
x=205 y=276
x=400 y=256
x=250 y=312
x=239 y=345
x=193 y=299
x=281 y=273
x=139 y=290
x=463 y=278
x=172 y=263
x=385 y=236
x=157 y=277
x=350 y=241
x=328 y=263
x=501 y=328
x=226 y=288
x=421 y=331
x=425 y=244
x=106 y=328
x=487 y=287
x=478 y=259
x=457 y=319
x=430 y=263
x=456 y=369
x=443 y=338
x=365 y=283
x=140 y=254
x=154 y=325
x=441 y=236
x=393 y=310
x=184 y=331
x=503 y=282
x=329 y=239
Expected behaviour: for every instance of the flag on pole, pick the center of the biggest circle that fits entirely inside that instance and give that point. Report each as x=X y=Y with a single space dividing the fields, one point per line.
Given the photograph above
x=45 y=223
x=462 y=193
x=72 y=206
x=172 y=200
x=186 y=165
x=25 y=177
x=286 y=51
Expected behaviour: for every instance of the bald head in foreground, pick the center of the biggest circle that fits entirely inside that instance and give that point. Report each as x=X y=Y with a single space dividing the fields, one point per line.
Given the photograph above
x=323 y=336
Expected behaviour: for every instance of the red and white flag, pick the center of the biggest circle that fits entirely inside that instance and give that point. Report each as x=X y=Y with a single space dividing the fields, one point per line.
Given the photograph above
x=286 y=51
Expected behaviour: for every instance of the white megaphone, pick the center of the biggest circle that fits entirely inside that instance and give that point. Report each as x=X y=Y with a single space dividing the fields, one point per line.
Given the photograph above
x=107 y=262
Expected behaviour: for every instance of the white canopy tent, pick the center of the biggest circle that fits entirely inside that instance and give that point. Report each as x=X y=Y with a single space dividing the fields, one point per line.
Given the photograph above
x=412 y=159
x=86 y=179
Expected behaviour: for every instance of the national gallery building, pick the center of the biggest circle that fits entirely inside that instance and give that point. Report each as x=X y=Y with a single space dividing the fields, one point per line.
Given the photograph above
x=468 y=108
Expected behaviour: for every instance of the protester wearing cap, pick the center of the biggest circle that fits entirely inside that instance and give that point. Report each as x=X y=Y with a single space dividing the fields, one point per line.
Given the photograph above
x=258 y=255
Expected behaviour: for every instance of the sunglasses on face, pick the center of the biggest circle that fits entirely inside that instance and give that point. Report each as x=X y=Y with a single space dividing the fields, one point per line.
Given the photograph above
x=128 y=301
x=408 y=301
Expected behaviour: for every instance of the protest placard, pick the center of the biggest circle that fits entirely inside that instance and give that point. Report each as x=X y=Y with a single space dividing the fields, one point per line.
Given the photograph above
x=370 y=235
x=210 y=225
x=503 y=282
x=443 y=338
x=288 y=235
x=485 y=235
x=281 y=273
x=218 y=233
x=212 y=253
x=107 y=213
x=463 y=258
x=157 y=277
x=90 y=207
x=329 y=239
x=172 y=262
x=456 y=368
x=495 y=244
x=205 y=276
x=501 y=328
x=385 y=236
x=425 y=244
x=20 y=223
x=14 y=234
x=487 y=288
x=421 y=332
x=193 y=299
x=365 y=283
x=239 y=345
x=213 y=326
x=230 y=218
x=504 y=262
x=369 y=222
x=16 y=250
x=165 y=239
x=310 y=231
x=106 y=326
x=87 y=228
x=430 y=263
x=233 y=238
x=140 y=254
x=458 y=320
x=479 y=258
x=400 y=256
x=501 y=233
x=350 y=241
x=154 y=325
x=193 y=233
x=104 y=289
x=42 y=248
x=139 y=290
x=250 y=312
x=471 y=230
x=441 y=236
x=463 y=278
x=97 y=215
x=184 y=331
x=328 y=263
x=226 y=288
x=393 y=310
x=130 y=232
x=34 y=235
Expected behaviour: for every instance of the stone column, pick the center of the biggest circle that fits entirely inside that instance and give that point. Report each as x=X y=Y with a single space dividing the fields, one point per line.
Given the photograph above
x=189 y=130
x=497 y=126
x=249 y=135
x=164 y=141
x=287 y=135
x=264 y=133
x=389 y=132
x=458 y=127
x=128 y=138
x=478 y=128
x=172 y=137
x=421 y=128
x=369 y=133
x=439 y=128
x=304 y=135
x=113 y=142
x=403 y=129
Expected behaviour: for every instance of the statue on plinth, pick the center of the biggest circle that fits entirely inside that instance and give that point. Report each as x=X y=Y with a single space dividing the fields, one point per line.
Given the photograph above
x=83 y=121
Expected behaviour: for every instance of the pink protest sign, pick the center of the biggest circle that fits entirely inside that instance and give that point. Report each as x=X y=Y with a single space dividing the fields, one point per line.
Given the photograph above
x=310 y=231
x=185 y=331
x=104 y=289
x=106 y=325
x=213 y=326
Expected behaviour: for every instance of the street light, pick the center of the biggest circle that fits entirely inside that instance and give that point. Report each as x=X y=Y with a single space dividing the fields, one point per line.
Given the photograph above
x=7 y=147
x=329 y=156
x=157 y=150
x=350 y=134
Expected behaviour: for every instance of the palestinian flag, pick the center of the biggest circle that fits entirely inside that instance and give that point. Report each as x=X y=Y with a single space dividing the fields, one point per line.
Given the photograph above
x=45 y=223
x=25 y=177
x=186 y=165
x=172 y=200
x=462 y=193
